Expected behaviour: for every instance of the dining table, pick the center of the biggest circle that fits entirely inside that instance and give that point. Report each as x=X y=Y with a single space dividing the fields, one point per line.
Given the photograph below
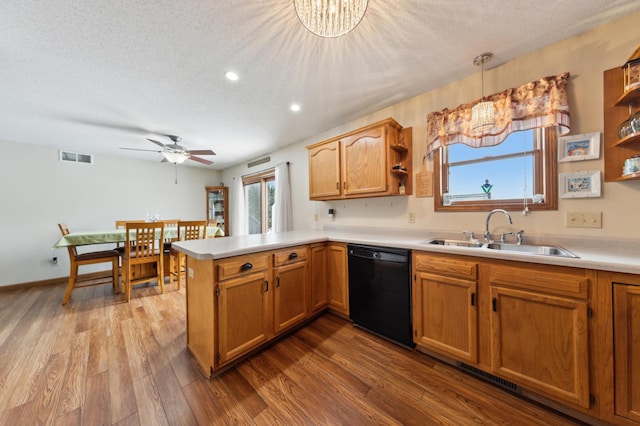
x=83 y=238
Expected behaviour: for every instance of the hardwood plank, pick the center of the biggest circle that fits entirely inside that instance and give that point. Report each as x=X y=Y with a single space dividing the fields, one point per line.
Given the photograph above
x=47 y=390
x=175 y=404
x=98 y=400
x=236 y=385
x=136 y=355
x=70 y=418
x=123 y=401
x=74 y=386
x=150 y=409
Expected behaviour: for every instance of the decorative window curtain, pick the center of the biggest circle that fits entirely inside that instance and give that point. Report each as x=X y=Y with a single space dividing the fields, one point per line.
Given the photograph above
x=239 y=222
x=282 y=211
x=541 y=103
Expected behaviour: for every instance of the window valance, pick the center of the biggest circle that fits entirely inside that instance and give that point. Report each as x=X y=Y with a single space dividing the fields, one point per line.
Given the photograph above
x=541 y=103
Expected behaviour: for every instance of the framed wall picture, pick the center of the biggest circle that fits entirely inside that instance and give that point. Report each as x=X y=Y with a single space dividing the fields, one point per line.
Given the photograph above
x=579 y=184
x=579 y=147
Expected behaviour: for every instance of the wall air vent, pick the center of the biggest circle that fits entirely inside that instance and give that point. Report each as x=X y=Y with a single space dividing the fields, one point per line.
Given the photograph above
x=258 y=162
x=74 y=157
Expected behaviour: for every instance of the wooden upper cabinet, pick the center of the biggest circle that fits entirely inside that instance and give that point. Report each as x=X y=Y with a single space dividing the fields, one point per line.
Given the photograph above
x=365 y=177
x=372 y=161
x=324 y=170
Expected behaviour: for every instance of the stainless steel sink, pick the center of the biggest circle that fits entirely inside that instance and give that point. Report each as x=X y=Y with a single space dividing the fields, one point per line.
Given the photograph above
x=516 y=248
x=459 y=243
x=532 y=249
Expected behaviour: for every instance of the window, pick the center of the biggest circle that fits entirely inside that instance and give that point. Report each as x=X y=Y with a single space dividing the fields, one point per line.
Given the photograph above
x=501 y=176
x=260 y=191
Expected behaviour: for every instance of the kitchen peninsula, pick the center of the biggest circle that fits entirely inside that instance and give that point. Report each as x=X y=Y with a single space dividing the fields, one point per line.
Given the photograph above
x=244 y=292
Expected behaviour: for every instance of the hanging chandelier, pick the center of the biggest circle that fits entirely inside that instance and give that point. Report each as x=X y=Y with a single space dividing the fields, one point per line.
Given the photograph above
x=330 y=18
x=482 y=113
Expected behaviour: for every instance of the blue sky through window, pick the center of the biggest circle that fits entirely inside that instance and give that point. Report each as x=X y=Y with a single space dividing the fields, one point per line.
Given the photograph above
x=509 y=176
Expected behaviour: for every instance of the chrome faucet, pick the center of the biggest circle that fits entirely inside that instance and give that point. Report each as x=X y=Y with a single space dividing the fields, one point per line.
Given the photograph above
x=487 y=235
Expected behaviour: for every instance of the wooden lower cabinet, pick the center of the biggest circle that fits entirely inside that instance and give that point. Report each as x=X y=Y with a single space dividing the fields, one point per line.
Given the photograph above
x=540 y=330
x=626 y=311
x=237 y=304
x=243 y=315
x=338 y=278
x=540 y=342
x=291 y=288
x=445 y=306
x=318 y=295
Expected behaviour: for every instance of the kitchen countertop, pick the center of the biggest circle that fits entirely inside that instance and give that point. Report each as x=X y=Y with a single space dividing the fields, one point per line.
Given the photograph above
x=619 y=255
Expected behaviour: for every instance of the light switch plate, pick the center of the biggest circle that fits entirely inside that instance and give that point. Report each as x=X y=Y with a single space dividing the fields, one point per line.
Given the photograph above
x=191 y=273
x=584 y=220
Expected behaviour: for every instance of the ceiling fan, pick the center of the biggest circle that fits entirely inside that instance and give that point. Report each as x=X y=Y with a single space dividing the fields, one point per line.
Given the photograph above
x=177 y=154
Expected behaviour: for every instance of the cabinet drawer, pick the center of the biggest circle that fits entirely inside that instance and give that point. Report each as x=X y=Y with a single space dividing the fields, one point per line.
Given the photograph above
x=446 y=266
x=562 y=283
x=290 y=255
x=239 y=265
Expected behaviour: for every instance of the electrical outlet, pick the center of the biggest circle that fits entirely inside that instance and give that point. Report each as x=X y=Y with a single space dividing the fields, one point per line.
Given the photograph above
x=190 y=273
x=584 y=220
x=315 y=217
x=412 y=217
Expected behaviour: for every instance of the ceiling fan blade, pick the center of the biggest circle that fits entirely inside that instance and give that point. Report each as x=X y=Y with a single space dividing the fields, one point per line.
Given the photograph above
x=201 y=152
x=200 y=160
x=138 y=149
x=160 y=144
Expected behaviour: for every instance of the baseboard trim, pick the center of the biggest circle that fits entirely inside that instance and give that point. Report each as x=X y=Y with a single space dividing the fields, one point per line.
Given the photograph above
x=51 y=281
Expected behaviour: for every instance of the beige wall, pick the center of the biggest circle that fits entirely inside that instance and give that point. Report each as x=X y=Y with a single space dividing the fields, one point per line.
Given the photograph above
x=585 y=57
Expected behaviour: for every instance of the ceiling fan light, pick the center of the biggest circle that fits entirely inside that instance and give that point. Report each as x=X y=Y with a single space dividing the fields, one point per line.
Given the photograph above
x=330 y=18
x=175 y=157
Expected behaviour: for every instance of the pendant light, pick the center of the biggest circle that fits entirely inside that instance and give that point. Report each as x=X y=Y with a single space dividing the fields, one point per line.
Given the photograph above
x=482 y=113
x=330 y=18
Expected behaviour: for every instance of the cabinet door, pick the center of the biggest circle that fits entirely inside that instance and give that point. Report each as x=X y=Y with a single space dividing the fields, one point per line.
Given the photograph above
x=540 y=342
x=319 y=292
x=337 y=277
x=217 y=207
x=364 y=162
x=626 y=308
x=243 y=315
x=290 y=293
x=324 y=170
x=446 y=315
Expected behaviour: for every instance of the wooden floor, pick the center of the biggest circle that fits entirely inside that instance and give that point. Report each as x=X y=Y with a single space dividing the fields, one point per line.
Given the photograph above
x=99 y=360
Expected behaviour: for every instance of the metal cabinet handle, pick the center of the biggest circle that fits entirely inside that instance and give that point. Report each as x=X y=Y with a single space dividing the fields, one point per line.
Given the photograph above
x=246 y=267
x=494 y=304
x=266 y=285
x=277 y=281
x=473 y=299
x=293 y=256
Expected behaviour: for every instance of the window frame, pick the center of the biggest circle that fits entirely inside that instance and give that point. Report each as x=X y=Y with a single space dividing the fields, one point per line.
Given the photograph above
x=547 y=180
x=263 y=178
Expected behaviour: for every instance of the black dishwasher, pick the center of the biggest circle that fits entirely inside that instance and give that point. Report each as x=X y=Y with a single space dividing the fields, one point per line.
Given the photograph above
x=380 y=291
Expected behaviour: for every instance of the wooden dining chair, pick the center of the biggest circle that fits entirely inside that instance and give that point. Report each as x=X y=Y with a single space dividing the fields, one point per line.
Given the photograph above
x=89 y=258
x=211 y=222
x=143 y=247
x=187 y=230
x=121 y=224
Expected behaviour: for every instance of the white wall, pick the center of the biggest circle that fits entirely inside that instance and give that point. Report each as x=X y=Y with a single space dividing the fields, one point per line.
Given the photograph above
x=585 y=57
x=38 y=192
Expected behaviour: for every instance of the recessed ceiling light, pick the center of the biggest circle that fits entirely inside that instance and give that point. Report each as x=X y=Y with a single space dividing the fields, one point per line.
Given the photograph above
x=295 y=107
x=231 y=76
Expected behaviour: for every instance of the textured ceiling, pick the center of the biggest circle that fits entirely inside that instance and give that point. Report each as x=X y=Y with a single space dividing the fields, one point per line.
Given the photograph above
x=94 y=75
